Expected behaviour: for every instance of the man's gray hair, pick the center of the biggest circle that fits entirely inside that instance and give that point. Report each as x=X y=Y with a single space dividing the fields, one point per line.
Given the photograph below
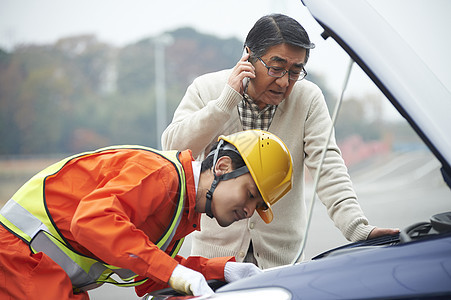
x=275 y=29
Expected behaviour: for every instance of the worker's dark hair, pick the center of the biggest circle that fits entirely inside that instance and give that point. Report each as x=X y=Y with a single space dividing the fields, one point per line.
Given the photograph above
x=237 y=160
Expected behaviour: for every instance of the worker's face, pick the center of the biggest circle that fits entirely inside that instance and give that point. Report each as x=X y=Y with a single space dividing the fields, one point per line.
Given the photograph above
x=264 y=89
x=234 y=199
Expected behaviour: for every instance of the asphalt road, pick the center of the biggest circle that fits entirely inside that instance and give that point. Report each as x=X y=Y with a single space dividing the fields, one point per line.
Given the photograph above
x=394 y=191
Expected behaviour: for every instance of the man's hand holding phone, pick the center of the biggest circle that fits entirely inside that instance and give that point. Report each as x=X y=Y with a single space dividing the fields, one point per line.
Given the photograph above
x=242 y=73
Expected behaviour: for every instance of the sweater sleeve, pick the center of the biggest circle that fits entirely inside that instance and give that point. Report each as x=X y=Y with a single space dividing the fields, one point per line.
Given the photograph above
x=335 y=188
x=201 y=115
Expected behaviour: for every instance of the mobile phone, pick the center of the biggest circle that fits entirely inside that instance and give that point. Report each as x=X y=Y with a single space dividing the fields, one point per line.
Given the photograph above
x=246 y=79
x=245 y=84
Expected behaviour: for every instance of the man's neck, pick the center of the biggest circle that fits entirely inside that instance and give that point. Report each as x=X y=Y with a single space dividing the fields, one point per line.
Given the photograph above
x=261 y=105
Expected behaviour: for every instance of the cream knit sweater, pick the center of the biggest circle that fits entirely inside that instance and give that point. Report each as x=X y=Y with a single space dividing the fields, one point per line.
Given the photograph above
x=302 y=121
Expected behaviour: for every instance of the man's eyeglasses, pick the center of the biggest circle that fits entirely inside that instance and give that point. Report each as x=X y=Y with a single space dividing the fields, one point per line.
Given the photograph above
x=278 y=72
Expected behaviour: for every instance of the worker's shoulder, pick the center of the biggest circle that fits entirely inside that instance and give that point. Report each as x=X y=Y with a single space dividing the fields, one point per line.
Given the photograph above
x=151 y=159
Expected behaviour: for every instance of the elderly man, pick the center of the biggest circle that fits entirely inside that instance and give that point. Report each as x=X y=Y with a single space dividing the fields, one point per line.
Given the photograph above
x=266 y=90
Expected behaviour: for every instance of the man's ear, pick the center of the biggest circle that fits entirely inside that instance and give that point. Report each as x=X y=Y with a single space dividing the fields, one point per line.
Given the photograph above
x=223 y=165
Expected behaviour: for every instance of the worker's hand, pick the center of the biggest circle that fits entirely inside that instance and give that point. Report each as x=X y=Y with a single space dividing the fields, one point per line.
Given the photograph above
x=189 y=282
x=377 y=232
x=234 y=271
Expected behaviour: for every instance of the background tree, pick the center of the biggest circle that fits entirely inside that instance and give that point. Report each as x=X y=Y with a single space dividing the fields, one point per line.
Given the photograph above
x=80 y=93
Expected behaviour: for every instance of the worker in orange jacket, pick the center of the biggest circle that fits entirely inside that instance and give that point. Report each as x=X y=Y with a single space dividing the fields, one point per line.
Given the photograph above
x=125 y=210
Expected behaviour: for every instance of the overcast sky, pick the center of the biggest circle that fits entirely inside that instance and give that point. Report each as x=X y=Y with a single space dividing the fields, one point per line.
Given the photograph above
x=121 y=22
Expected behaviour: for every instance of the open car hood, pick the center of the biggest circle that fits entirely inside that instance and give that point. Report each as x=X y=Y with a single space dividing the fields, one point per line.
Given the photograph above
x=371 y=32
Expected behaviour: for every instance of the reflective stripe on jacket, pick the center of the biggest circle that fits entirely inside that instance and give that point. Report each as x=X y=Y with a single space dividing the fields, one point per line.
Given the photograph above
x=27 y=216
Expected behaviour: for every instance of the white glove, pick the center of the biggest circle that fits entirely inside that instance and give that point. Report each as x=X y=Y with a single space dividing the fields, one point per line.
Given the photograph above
x=234 y=270
x=189 y=282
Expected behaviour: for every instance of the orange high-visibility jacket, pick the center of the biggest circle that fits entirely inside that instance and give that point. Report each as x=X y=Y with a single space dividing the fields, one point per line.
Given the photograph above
x=113 y=206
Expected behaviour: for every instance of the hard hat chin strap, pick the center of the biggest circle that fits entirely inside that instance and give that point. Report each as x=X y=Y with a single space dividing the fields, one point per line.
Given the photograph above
x=233 y=174
x=216 y=180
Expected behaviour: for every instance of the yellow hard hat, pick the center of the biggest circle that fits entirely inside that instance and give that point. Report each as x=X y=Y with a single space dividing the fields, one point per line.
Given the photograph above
x=269 y=162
